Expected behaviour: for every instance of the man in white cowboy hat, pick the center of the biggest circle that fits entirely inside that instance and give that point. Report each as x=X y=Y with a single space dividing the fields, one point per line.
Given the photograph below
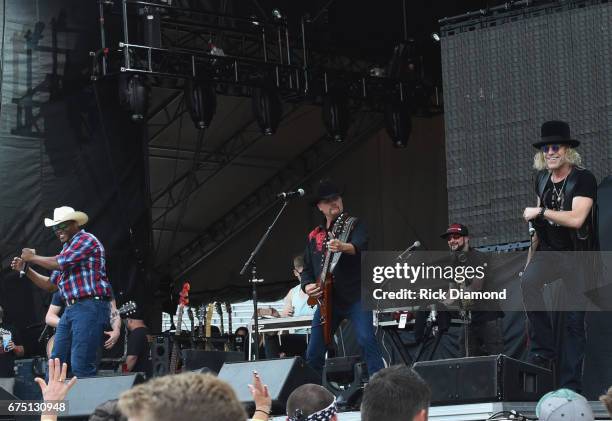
x=565 y=222
x=79 y=273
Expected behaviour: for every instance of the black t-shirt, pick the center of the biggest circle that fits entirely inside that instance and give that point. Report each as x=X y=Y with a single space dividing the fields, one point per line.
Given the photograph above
x=7 y=359
x=139 y=345
x=57 y=300
x=557 y=237
x=347 y=273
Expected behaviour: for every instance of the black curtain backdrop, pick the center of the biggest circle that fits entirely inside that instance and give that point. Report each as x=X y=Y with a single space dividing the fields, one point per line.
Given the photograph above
x=64 y=140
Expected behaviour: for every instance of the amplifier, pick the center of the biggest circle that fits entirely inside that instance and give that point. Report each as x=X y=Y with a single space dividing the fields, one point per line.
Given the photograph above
x=484 y=379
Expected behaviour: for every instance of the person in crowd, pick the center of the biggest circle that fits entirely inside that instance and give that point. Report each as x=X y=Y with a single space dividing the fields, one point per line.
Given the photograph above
x=564 y=405
x=311 y=402
x=9 y=350
x=396 y=393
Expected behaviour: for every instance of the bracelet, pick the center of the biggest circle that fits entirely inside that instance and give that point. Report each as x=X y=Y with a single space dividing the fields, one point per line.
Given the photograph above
x=542 y=210
x=262 y=411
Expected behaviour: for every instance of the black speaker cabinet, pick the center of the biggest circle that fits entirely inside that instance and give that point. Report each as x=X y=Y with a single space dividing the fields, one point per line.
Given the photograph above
x=89 y=392
x=160 y=356
x=484 y=379
x=282 y=376
x=194 y=359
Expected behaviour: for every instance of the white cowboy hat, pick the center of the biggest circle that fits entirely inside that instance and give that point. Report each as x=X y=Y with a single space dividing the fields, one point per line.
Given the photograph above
x=66 y=213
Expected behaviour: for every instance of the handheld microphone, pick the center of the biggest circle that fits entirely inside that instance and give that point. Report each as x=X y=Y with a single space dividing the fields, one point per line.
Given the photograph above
x=291 y=194
x=23 y=271
x=531 y=229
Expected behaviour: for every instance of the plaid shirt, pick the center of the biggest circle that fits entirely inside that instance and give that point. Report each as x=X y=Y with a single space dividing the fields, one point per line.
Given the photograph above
x=82 y=268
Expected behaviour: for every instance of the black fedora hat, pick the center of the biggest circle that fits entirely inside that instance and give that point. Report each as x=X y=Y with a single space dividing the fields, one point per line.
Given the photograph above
x=326 y=190
x=556 y=131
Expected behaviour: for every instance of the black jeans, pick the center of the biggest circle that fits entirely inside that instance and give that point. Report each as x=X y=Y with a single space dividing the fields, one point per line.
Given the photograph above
x=484 y=338
x=544 y=268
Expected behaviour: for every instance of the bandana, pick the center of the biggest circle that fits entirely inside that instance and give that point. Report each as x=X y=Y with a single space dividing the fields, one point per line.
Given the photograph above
x=324 y=414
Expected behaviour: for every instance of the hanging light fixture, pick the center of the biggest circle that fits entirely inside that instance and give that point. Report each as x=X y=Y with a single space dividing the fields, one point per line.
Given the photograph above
x=335 y=113
x=398 y=122
x=134 y=94
x=201 y=101
x=267 y=108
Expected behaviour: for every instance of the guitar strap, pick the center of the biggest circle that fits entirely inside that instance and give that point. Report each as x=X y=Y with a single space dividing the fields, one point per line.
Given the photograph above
x=348 y=227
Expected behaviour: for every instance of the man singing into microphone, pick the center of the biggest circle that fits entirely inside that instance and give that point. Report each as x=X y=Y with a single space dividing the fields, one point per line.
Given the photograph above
x=565 y=221
x=347 y=281
x=79 y=272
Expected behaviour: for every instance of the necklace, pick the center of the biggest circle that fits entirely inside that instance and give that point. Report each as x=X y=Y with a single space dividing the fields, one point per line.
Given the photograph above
x=557 y=197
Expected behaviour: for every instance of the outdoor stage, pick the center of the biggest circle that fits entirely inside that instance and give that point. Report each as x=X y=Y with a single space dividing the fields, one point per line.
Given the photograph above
x=478 y=411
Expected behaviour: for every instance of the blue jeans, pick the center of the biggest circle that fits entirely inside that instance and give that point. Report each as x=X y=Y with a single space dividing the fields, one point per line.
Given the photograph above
x=79 y=335
x=362 y=323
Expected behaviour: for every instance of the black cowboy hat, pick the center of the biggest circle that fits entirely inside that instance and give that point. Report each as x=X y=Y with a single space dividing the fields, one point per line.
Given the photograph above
x=556 y=131
x=455 y=229
x=326 y=190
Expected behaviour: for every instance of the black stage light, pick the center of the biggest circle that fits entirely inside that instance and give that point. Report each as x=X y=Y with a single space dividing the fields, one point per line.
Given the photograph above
x=201 y=101
x=335 y=113
x=267 y=108
x=134 y=92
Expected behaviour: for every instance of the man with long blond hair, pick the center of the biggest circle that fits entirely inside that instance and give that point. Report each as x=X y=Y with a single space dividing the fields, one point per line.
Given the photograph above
x=565 y=221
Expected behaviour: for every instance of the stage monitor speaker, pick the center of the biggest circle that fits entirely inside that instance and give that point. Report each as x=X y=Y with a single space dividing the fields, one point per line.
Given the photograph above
x=194 y=359
x=282 y=376
x=160 y=355
x=484 y=379
x=89 y=392
x=5 y=399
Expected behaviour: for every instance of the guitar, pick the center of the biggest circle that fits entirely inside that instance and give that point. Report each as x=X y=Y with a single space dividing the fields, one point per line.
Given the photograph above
x=325 y=282
x=201 y=313
x=219 y=310
x=226 y=347
x=209 y=315
x=183 y=301
x=191 y=324
x=125 y=310
x=228 y=310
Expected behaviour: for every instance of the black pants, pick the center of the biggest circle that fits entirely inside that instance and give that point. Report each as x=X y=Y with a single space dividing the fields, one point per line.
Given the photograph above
x=544 y=268
x=483 y=338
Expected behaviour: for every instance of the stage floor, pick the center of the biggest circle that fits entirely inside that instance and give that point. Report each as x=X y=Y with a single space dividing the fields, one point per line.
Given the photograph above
x=478 y=411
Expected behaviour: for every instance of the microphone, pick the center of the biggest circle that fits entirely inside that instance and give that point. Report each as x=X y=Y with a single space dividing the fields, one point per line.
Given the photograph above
x=414 y=245
x=531 y=229
x=291 y=194
x=23 y=271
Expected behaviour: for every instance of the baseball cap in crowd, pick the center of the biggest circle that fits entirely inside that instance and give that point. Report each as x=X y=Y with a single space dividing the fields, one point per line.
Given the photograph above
x=564 y=405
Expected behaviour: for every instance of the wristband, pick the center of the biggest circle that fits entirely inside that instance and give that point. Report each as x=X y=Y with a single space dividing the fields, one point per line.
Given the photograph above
x=542 y=210
x=262 y=411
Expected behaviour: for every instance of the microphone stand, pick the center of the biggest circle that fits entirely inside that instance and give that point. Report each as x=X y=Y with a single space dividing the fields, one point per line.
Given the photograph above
x=254 y=281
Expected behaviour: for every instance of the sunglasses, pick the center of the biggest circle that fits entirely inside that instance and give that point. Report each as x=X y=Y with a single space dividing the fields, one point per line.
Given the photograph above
x=454 y=236
x=555 y=148
x=61 y=227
